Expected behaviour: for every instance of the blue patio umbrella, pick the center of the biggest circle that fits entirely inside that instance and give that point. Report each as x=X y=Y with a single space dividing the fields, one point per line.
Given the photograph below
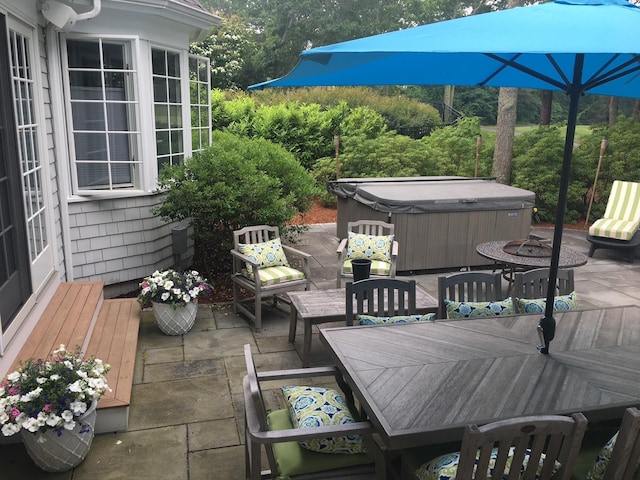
x=572 y=46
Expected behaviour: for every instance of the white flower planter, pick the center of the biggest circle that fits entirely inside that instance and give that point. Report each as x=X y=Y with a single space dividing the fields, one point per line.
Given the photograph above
x=53 y=453
x=175 y=321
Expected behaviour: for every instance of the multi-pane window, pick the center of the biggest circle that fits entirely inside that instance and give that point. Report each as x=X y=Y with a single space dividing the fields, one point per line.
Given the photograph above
x=106 y=136
x=167 y=105
x=200 y=102
x=27 y=127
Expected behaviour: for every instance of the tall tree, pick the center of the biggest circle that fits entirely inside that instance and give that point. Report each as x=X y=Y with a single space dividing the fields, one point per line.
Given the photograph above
x=545 y=110
x=506 y=126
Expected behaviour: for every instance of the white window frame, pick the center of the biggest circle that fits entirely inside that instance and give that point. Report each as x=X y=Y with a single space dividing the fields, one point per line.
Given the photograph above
x=132 y=49
x=199 y=105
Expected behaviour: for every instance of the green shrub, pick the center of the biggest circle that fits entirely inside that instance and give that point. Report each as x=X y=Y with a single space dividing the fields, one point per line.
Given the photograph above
x=234 y=183
x=537 y=166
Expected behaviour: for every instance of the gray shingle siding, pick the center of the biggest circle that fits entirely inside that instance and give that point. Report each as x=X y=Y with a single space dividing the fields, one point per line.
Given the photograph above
x=119 y=240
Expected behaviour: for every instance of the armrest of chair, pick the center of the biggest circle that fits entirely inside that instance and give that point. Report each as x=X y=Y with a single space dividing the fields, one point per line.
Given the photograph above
x=341 y=247
x=239 y=259
x=298 y=373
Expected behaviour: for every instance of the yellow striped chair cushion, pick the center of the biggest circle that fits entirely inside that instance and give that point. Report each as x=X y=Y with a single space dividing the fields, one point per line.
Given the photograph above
x=378 y=267
x=280 y=274
x=622 y=216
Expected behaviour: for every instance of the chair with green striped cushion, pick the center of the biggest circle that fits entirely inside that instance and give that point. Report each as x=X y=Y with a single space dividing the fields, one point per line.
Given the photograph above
x=265 y=267
x=618 y=228
x=290 y=448
x=368 y=239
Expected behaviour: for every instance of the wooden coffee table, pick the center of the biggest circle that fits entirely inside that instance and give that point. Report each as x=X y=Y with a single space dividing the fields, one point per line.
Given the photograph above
x=325 y=306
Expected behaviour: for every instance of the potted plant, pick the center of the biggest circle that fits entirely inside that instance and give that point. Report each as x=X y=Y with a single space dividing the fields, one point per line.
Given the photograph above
x=52 y=403
x=174 y=297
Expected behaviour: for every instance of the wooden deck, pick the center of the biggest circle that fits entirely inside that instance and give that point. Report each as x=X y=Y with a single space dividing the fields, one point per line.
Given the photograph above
x=108 y=329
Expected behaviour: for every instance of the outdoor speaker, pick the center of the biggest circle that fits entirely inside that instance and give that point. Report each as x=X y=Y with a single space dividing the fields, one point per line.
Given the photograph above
x=62 y=16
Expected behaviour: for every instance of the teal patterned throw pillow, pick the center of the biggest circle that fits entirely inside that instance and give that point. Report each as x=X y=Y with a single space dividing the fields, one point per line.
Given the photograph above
x=317 y=407
x=478 y=309
x=602 y=460
x=267 y=254
x=373 y=320
x=372 y=247
x=445 y=467
x=561 y=303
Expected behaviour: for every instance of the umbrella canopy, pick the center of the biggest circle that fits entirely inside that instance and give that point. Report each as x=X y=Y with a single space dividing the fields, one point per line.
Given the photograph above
x=574 y=46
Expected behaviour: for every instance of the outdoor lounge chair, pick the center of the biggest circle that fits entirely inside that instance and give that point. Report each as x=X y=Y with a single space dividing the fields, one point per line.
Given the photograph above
x=258 y=253
x=618 y=228
x=370 y=239
x=282 y=439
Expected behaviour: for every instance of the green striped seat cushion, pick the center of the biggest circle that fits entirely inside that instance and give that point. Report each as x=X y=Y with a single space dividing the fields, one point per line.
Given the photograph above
x=622 y=216
x=275 y=275
x=378 y=267
x=292 y=459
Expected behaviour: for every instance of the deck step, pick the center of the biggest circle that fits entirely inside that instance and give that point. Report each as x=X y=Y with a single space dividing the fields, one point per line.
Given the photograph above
x=108 y=329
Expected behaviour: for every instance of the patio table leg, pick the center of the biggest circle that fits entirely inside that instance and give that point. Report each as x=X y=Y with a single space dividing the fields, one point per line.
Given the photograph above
x=293 y=321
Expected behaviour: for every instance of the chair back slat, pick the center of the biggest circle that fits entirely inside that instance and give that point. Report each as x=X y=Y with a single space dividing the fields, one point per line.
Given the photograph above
x=380 y=297
x=371 y=227
x=255 y=234
x=558 y=437
x=534 y=283
x=468 y=287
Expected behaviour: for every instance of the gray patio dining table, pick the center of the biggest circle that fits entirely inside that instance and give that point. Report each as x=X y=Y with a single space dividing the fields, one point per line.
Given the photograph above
x=422 y=383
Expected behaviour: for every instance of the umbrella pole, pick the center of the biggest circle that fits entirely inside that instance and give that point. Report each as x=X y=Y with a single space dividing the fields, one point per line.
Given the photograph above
x=547 y=325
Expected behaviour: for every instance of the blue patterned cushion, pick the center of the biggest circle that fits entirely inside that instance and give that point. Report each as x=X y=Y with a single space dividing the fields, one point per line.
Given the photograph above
x=267 y=254
x=561 y=303
x=373 y=320
x=316 y=407
x=478 y=309
x=372 y=247
x=445 y=467
x=602 y=460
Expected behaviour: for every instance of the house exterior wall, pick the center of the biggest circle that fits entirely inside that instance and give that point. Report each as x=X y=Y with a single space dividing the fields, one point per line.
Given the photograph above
x=114 y=238
x=119 y=240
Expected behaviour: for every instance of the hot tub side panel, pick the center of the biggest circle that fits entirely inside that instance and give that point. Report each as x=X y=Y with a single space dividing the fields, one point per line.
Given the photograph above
x=441 y=240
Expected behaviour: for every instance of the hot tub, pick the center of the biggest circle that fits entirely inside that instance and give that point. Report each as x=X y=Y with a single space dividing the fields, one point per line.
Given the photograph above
x=438 y=220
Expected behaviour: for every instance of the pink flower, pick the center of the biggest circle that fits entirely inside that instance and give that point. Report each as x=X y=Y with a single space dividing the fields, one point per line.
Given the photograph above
x=14 y=390
x=14 y=412
x=48 y=408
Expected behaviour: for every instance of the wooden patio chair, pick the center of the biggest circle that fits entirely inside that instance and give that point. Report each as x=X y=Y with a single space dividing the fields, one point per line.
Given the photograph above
x=540 y=447
x=258 y=251
x=618 y=228
x=530 y=290
x=616 y=459
x=382 y=300
x=282 y=439
x=372 y=239
x=474 y=289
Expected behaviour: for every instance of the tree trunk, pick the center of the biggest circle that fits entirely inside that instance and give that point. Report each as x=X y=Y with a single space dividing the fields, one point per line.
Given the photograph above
x=505 y=131
x=545 y=110
x=613 y=106
x=506 y=126
x=449 y=91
